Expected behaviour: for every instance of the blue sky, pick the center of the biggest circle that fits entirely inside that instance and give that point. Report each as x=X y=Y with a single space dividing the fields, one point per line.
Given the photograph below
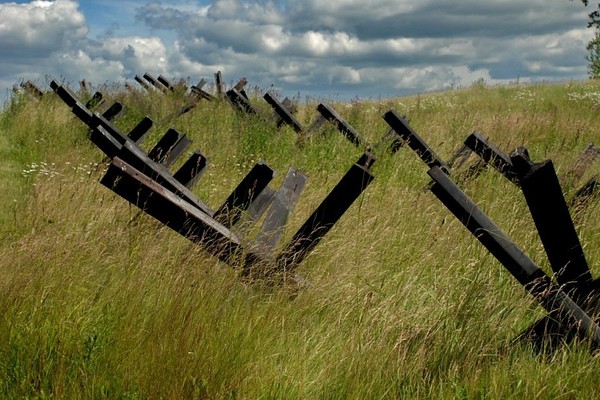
x=345 y=48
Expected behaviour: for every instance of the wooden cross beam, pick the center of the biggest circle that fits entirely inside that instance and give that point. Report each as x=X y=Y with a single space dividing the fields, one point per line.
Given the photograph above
x=401 y=127
x=284 y=114
x=324 y=217
x=550 y=295
x=155 y=83
x=344 y=127
x=174 y=212
x=169 y=148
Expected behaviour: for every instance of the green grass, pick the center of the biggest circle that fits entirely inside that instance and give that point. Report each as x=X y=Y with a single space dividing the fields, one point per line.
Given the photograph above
x=98 y=302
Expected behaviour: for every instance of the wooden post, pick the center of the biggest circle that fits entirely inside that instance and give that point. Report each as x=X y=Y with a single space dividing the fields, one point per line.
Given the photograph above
x=491 y=155
x=169 y=147
x=165 y=82
x=585 y=159
x=283 y=113
x=142 y=83
x=32 y=89
x=138 y=159
x=240 y=102
x=113 y=111
x=585 y=192
x=83 y=86
x=219 y=84
x=283 y=204
x=527 y=273
x=352 y=184
x=155 y=83
x=191 y=171
x=344 y=127
x=177 y=214
x=316 y=124
x=553 y=222
x=95 y=101
x=414 y=141
x=244 y=194
x=141 y=130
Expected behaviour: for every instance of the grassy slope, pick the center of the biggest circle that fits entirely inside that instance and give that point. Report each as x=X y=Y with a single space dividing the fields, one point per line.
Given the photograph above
x=96 y=302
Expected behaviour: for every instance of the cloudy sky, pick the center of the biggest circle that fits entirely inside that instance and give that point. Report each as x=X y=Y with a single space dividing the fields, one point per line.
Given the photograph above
x=331 y=48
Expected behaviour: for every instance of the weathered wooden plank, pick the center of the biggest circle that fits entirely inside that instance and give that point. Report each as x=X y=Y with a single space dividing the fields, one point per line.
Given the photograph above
x=32 y=89
x=95 y=101
x=105 y=141
x=155 y=83
x=331 y=209
x=240 y=102
x=318 y=122
x=244 y=194
x=166 y=83
x=528 y=274
x=366 y=160
x=177 y=214
x=219 y=83
x=261 y=203
x=138 y=159
x=141 y=130
x=491 y=155
x=93 y=120
x=191 y=171
x=142 y=83
x=344 y=127
x=169 y=147
x=240 y=85
x=199 y=93
x=283 y=112
x=460 y=156
x=586 y=191
x=113 y=111
x=66 y=95
x=277 y=216
x=553 y=222
x=414 y=141
x=584 y=160
x=83 y=86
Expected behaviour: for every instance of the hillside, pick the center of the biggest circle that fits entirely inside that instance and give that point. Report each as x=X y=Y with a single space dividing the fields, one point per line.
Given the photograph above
x=99 y=300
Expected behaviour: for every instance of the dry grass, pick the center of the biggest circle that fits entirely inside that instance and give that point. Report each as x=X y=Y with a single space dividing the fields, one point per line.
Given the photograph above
x=96 y=302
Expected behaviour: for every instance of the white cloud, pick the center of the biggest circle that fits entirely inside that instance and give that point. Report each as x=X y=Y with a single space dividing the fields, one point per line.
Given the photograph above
x=39 y=28
x=358 y=47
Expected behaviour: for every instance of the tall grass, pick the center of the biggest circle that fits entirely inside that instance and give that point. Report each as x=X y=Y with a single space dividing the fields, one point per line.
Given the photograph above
x=97 y=301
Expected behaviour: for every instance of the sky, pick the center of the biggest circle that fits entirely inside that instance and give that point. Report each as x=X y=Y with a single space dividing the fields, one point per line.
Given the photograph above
x=328 y=49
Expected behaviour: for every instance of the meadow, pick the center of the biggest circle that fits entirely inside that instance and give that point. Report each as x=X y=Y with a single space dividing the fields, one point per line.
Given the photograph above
x=98 y=300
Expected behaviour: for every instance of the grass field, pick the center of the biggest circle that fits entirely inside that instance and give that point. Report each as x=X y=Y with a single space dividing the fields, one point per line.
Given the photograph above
x=97 y=301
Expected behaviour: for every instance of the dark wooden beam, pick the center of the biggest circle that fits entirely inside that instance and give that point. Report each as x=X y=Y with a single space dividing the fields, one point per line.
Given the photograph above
x=191 y=171
x=344 y=127
x=401 y=127
x=283 y=113
x=277 y=216
x=174 y=212
x=331 y=209
x=244 y=194
x=552 y=219
x=528 y=274
x=491 y=155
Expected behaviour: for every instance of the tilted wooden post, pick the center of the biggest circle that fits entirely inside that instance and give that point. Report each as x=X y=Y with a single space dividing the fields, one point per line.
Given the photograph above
x=527 y=273
x=414 y=141
x=331 y=209
x=344 y=127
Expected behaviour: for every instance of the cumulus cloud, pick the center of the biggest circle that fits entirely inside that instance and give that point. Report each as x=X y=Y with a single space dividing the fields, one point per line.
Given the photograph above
x=355 y=47
x=39 y=28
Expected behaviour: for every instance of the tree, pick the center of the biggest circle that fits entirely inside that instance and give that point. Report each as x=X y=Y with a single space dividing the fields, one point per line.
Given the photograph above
x=593 y=47
x=593 y=56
